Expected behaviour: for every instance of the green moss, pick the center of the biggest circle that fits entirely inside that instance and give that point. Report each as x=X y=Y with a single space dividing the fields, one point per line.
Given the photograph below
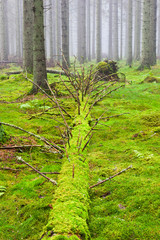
x=3 y=77
x=152 y=119
x=151 y=79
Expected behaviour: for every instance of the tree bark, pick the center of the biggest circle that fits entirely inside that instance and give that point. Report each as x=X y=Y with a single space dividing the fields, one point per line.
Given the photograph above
x=137 y=30
x=146 y=60
x=153 y=33
x=129 y=47
x=98 y=30
x=65 y=33
x=28 y=36
x=39 y=62
x=110 y=38
x=115 y=30
x=4 y=30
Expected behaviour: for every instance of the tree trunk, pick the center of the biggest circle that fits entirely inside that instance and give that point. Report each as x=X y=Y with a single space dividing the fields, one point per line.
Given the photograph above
x=98 y=30
x=115 y=30
x=82 y=31
x=121 y=42
x=4 y=30
x=50 y=32
x=93 y=30
x=129 y=47
x=110 y=53
x=137 y=30
x=65 y=33
x=18 y=42
x=28 y=36
x=146 y=60
x=88 y=31
x=153 y=26
x=58 y=30
x=39 y=62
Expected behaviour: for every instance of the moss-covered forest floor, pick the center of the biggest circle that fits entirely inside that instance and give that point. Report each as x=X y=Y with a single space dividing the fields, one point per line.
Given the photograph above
x=126 y=207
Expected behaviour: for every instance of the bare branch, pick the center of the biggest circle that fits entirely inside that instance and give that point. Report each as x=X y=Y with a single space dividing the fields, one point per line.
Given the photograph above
x=49 y=179
x=110 y=177
x=52 y=145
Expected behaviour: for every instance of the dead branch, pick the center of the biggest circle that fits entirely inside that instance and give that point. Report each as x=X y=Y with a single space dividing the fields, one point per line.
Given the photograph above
x=10 y=169
x=101 y=97
x=73 y=172
x=36 y=136
x=59 y=107
x=23 y=146
x=49 y=179
x=13 y=73
x=50 y=172
x=118 y=115
x=97 y=121
x=87 y=142
x=43 y=91
x=110 y=177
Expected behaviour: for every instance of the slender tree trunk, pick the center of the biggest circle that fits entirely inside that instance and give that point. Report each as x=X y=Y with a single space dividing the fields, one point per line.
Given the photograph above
x=82 y=31
x=129 y=52
x=115 y=30
x=18 y=42
x=146 y=61
x=121 y=48
x=110 y=53
x=137 y=31
x=88 y=31
x=98 y=30
x=93 y=30
x=28 y=35
x=50 y=32
x=39 y=62
x=83 y=18
x=4 y=30
x=153 y=28
x=158 y=22
x=58 y=30
x=65 y=33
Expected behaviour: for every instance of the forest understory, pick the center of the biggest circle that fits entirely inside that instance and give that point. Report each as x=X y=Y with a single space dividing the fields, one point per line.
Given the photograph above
x=125 y=207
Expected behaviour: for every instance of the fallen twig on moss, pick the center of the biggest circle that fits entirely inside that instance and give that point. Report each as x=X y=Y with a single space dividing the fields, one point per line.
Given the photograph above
x=118 y=115
x=52 y=145
x=110 y=177
x=43 y=175
x=23 y=146
x=10 y=169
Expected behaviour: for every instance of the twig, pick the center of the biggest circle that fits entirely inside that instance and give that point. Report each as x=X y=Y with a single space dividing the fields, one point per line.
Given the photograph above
x=73 y=172
x=80 y=144
x=49 y=179
x=111 y=177
x=23 y=146
x=43 y=91
x=50 y=172
x=97 y=120
x=59 y=107
x=32 y=134
x=101 y=97
x=110 y=116
x=87 y=142
x=10 y=169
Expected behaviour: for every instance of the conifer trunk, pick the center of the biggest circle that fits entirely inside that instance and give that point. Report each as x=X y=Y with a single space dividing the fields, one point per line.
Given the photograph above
x=39 y=62
x=65 y=33
x=28 y=36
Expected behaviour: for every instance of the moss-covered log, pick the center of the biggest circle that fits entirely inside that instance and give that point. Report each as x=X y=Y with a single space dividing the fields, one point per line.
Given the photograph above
x=107 y=70
x=68 y=218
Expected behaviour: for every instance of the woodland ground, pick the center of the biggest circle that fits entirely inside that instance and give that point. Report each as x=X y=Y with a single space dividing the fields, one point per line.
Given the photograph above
x=126 y=207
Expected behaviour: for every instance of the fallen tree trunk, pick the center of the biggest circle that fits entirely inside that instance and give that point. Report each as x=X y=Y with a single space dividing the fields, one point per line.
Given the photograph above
x=68 y=218
x=48 y=71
